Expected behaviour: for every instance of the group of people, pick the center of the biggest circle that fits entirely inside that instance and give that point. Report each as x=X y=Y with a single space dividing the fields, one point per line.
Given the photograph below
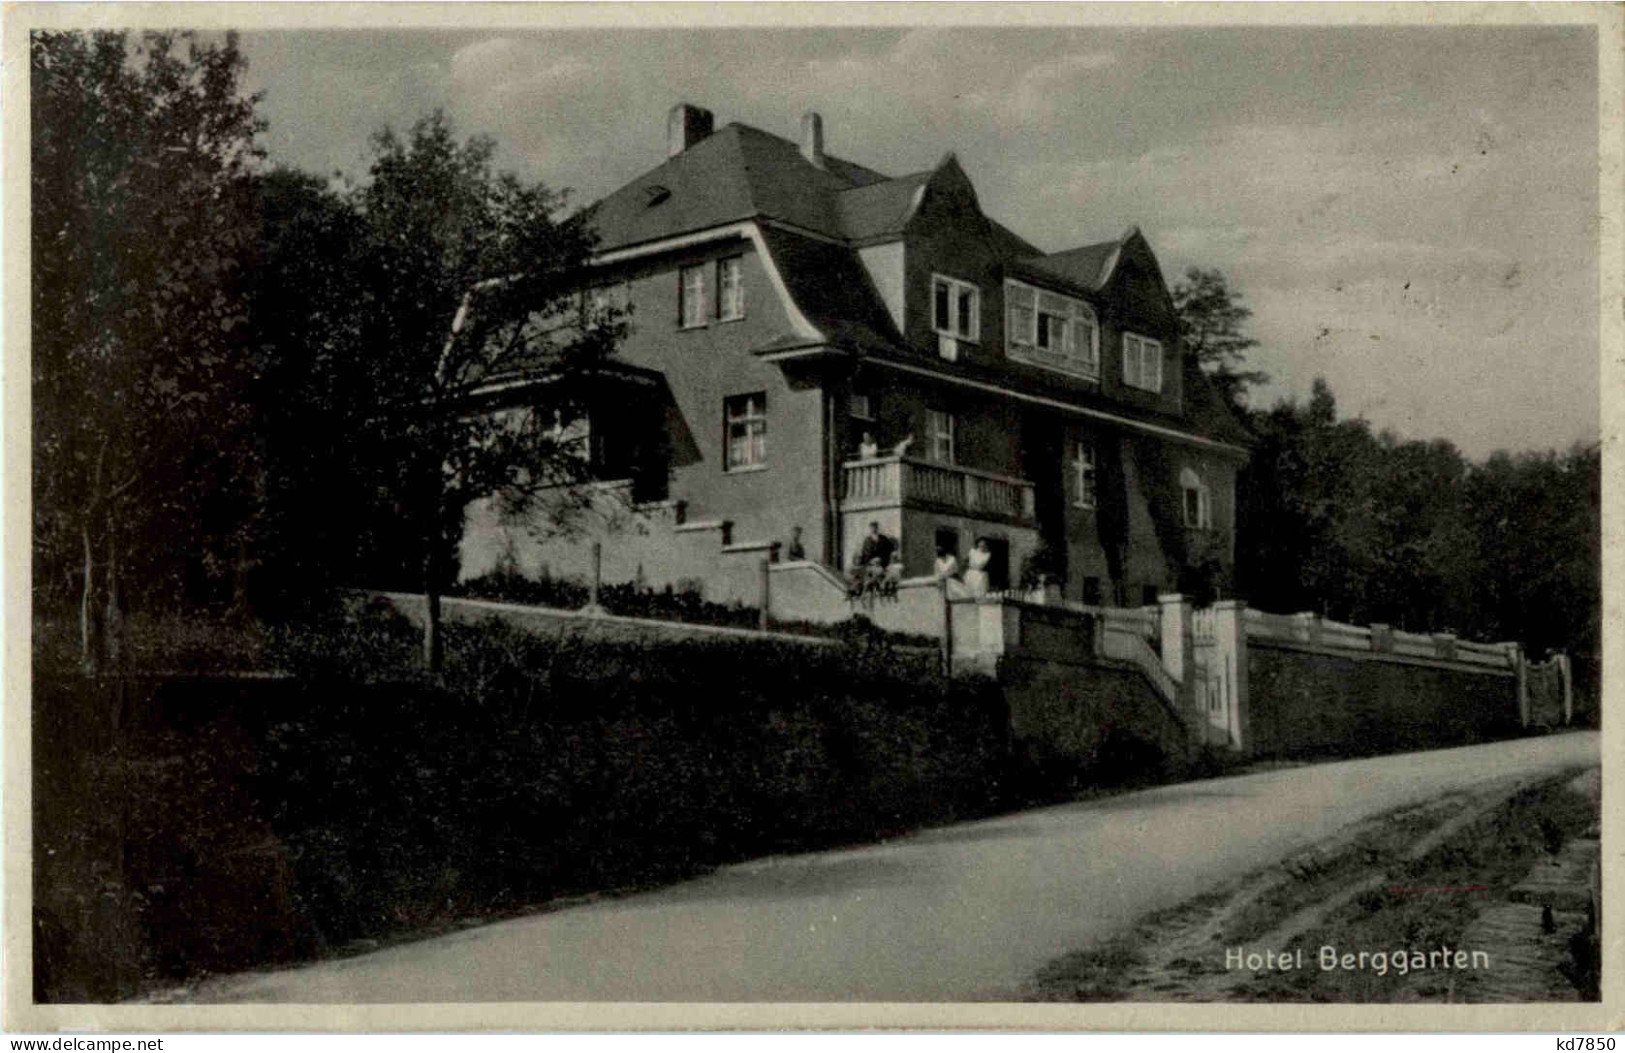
x=869 y=449
x=974 y=581
x=878 y=569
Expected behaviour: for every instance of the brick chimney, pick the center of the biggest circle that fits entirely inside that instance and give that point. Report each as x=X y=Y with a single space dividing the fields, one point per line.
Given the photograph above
x=686 y=125
x=812 y=138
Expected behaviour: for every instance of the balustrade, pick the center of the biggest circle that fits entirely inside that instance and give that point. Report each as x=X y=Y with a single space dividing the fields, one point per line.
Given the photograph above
x=905 y=480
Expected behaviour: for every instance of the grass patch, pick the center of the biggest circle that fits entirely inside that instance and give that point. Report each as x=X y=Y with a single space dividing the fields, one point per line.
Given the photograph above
x=1107 y=973
x=1496 y=851
x=1098 y=975
x=1309 y=875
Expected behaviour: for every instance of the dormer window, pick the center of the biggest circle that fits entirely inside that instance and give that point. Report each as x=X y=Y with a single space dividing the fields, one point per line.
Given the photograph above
x=1142 y=362
x=1048 y=329
x=955 y=312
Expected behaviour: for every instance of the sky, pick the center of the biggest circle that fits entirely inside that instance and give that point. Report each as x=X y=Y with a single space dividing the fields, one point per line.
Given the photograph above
x=1408 y=212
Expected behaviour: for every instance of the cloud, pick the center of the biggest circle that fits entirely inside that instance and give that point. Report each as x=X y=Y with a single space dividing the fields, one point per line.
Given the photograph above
x=1051 y=87
x=505 y=67
x=937 y=77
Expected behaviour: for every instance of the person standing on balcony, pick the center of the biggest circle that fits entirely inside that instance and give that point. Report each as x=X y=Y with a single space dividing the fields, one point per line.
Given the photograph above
x=868 y=449
x=797 y=549
x=976 y=568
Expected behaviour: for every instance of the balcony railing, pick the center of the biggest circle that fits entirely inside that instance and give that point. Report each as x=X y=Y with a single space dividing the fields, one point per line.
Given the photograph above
x=882 y=482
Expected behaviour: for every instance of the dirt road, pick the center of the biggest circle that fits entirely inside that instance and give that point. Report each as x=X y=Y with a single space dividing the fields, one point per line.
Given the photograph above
x=966 y=912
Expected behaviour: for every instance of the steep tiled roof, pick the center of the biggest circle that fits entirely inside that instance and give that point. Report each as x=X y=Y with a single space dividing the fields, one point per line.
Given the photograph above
x=742 y=172
x=1086 y=266
x=705 y=186
x=879 y=209
x=1010 y=244
x=833 y=290
x=737 y=173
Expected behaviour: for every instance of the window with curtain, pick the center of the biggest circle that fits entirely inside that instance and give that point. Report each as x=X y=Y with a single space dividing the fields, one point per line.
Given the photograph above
x=746 y=431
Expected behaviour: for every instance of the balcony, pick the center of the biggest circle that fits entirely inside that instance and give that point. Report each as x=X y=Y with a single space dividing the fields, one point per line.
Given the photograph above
x=897 y=481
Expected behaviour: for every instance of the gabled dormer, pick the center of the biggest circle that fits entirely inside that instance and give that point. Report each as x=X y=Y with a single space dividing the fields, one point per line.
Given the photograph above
x=953 y=258
x=1142 y=356
x=1117 y=288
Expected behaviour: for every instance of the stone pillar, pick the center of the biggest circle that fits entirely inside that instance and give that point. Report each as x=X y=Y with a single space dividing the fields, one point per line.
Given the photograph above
x=593 y=606
x=986 y=630
x=1520 y=666
x=765 y=600
x=1308 y=627
x=1230 y=662
x=1565 y=673
x=1178 y=645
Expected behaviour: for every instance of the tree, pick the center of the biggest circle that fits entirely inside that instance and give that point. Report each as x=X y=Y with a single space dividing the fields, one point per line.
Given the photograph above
x=1212 y=324
x=1373 y=528
x=467 y=274
x=312 y=387
x=140 y=175
x=1537 y=518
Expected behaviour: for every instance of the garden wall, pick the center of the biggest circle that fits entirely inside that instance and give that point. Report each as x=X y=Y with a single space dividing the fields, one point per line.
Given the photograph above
x=1098 y=722
x=1306 y=701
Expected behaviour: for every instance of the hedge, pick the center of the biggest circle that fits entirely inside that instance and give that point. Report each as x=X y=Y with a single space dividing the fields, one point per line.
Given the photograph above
x=228 y=823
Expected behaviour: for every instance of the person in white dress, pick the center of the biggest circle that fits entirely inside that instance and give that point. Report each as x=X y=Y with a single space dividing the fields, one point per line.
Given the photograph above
x=947 y=568
x=976 y=568
x=868 y=449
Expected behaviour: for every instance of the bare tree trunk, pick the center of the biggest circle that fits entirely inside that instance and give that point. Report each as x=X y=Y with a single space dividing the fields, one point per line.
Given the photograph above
x=433 y=644
x=89 y=638
x=113 y=619
x=89 y=645
x=239 y=582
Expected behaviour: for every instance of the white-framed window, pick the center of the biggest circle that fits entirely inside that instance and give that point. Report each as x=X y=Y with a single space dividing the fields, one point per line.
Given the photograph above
x=955 y=311
x=1142 y=362
x=939 y=436
x=1048 y=329
x=746 y=425
x=691 y=305
x=1021 y=315
x=1083 y=474
x=731 y=289
x=1197 y=499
